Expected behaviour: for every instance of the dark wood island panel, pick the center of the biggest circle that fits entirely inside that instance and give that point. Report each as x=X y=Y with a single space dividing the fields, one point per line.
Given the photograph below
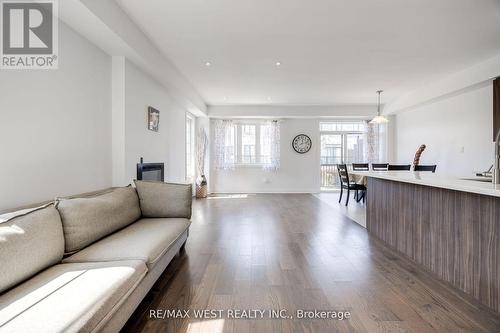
x=453 y=234
x=496 y=107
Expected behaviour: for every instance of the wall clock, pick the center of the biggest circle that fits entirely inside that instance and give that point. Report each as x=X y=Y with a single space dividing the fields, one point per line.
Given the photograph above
x=301 y=143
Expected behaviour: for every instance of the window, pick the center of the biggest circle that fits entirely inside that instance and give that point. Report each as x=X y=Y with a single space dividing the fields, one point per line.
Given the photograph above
x=342 y=142
x=190 y=141
x=252 y=147
x=357 y=126
x=246 y=143
x=229 y=154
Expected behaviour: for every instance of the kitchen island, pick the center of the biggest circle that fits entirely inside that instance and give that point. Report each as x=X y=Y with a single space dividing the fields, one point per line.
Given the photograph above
x=449 y=226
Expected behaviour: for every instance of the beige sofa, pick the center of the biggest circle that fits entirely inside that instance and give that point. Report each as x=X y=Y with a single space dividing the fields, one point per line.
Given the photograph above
x=83 y=264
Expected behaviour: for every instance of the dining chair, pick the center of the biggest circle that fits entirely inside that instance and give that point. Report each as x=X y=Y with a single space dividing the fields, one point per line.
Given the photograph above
x=360 y=167
x=399 y=167
x=431 y=168
x=380 y=166
x=346 y=184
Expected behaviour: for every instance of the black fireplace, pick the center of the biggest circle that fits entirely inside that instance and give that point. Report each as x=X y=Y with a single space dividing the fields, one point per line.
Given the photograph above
x=150 y=171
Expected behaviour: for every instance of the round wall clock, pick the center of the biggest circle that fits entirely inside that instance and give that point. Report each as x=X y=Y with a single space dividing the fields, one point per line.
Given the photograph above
x=301 y=143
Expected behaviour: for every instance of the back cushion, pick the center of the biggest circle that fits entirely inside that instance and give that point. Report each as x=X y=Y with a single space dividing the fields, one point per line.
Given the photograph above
x=159 y=199
x=30 y=241
x=88 y=219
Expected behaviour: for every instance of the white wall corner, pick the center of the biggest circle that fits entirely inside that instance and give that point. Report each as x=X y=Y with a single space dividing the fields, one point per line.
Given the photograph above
x=455 y=83
x=118 y=120
x=105 y=24
x=391 y=139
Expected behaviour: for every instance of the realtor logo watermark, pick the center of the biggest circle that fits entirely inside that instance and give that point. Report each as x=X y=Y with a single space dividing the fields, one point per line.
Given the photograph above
x=29 y=37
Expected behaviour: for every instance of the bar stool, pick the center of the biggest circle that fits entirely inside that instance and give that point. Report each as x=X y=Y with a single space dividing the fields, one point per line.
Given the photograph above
x=399 y=167
x=380 y=166
x=431 y=168
x=360 y=167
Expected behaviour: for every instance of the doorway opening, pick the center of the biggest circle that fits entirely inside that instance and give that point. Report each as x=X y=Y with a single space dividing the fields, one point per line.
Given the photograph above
x=342 y=142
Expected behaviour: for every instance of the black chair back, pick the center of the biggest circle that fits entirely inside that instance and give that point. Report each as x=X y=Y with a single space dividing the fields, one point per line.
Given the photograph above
x=360 y=166
x=431 y=168
x=380 y=166
x=343 y=174
x=399 y=167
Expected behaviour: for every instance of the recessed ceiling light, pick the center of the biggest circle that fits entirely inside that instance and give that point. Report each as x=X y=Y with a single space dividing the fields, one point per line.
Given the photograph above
x=208 y=64
x=278 y=63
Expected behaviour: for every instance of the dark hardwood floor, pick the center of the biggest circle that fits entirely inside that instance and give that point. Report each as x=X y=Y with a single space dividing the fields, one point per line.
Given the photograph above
x=296 y=252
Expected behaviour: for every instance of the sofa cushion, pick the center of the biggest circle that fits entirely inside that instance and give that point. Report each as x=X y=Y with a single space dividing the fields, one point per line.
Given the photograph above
x=69 y=297
x=88 y=219
x=30 y=241
x=158 y=199
x=147 y=240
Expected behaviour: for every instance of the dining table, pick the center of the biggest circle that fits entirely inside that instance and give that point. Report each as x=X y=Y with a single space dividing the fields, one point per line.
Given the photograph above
x=358 y=179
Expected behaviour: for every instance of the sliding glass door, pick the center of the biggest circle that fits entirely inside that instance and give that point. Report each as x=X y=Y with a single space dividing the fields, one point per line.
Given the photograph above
x=331 y=149
x=341 y=143
x=354 y=148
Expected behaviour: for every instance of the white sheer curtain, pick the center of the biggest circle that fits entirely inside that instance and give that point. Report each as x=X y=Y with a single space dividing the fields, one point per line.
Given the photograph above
x=270 y=145
x=224 y=144
x=376 y=138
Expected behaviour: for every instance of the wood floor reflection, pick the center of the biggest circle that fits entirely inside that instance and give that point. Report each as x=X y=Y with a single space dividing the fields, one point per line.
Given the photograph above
x=297 y=252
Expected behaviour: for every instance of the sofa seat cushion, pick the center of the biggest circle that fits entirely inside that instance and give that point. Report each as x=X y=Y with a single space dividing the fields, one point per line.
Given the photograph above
x=147 y=239
x=77 y=297
x=30 y=241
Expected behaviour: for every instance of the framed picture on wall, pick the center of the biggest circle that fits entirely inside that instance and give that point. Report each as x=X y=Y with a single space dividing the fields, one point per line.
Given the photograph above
x=153 y=119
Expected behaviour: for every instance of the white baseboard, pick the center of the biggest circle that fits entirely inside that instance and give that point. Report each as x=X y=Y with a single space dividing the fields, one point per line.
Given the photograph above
x=266 y=192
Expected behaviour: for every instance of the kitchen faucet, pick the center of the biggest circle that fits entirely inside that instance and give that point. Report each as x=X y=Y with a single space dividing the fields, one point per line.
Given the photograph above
x=496 y=170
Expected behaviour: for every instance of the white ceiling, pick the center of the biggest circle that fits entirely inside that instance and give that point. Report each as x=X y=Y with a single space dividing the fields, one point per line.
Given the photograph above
x=332 y=51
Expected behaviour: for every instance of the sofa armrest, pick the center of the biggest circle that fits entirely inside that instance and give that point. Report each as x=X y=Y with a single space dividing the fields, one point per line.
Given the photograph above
x=159 y=199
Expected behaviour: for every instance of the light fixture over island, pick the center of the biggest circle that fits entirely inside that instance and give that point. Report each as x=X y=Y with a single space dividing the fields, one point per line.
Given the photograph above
x=379 y=119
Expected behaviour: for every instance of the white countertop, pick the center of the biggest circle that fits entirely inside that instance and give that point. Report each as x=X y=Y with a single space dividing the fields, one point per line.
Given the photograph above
x=435 y=180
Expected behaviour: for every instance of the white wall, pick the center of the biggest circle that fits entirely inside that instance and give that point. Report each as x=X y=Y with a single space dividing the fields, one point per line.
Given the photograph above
x=168 y=144
x=107 y=25
x=118 y=120
x=298 y=172
x=54 y=125
x=56 y=132
x=450 y=84
x=457 y=131
x=293 y=111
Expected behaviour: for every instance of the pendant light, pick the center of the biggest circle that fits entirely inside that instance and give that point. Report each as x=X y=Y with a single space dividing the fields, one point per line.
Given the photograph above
x=379 y=119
